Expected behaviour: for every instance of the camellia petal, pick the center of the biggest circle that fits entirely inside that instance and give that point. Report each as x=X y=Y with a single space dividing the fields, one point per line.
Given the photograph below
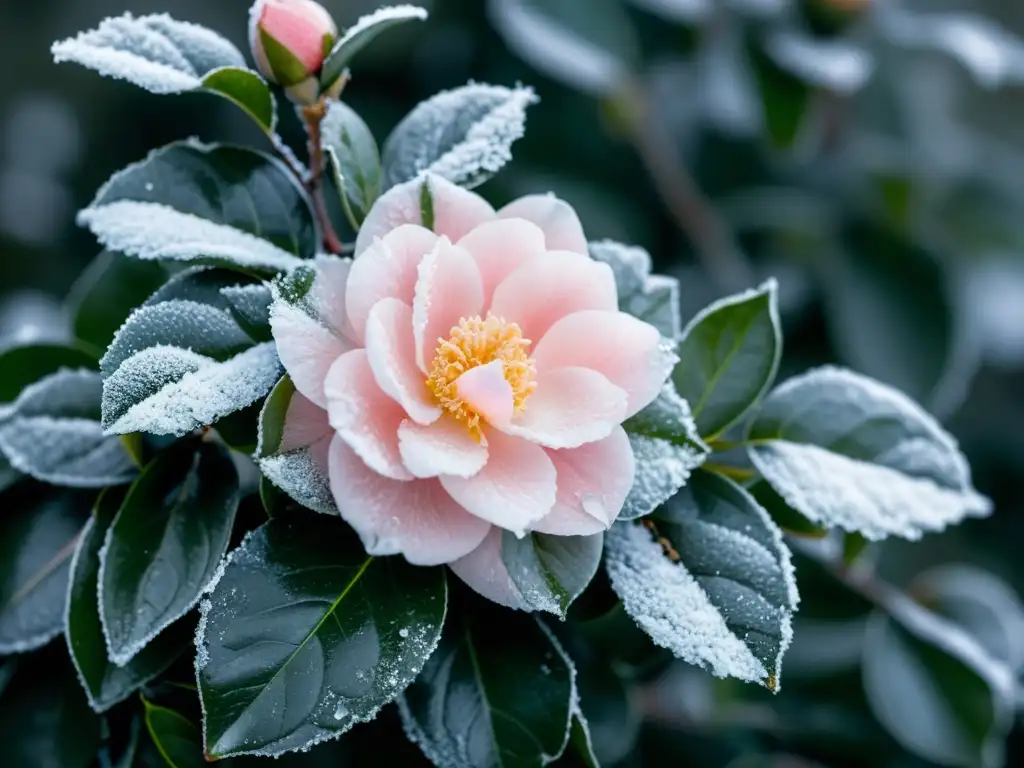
x=514 y=490
x=305 y=423
x=627 y=351
x=389 y=269
x=328 y=293
x=593 y=482
x=485 y=573
x=500 y=247
x=448 y=288
x=442 y=448
x=551 y=286
x=559 y=222
x=456 y=211
x=416 y=519
x=486 y=390
x=364 y=416
x=571 y=406
x=392 y=355
x=307 y=348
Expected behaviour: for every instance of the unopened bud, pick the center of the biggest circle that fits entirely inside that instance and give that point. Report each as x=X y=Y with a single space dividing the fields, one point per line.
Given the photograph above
x=290 y=40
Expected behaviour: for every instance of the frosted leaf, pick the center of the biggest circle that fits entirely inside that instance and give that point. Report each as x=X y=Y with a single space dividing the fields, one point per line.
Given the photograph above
x=591 y=47
x=847 y=451
x=52 y=432
x=550 y=572
x=679 y=11
x=190 y=325
x=651 y=298
x=153 y=52
x=250 y=305
x=709 y=578
x=302 y=475
x=159 y=232
x=667 y=449
x=168 y=391
x=464 y=135
x=831 y=64
x=360 y=34
x=355 y=159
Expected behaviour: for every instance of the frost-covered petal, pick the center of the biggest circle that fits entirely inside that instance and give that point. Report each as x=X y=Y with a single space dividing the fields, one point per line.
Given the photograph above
x=556 y=218
x=364 y=416
x=571 y=407
x=307 y=348
x=448 y=289
x=593 y=482
x=392 y=355
x=387 y=269
x=486 y=390
x=551 y=286
x=456 y=211
x=485 y=573
x=514 y=490
x=442 y=448
x=305 y=423
x=416 y=519
x=500 y=247
x=328 y=292
x=627 y=351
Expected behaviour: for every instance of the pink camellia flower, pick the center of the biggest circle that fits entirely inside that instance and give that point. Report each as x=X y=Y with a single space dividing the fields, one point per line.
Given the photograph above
x=474 y=376
x=290 y=40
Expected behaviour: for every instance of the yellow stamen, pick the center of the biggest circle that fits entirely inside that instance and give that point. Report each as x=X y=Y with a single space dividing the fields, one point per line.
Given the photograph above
x=474 y=342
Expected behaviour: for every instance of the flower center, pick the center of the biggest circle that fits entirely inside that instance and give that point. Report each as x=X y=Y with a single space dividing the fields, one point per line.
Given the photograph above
x=474 y=342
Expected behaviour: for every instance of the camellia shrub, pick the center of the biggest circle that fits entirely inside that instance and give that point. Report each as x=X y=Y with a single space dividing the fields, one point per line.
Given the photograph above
x=470 y=463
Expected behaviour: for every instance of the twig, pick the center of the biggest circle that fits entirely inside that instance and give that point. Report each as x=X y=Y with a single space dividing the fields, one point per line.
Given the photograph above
x=312 y=117
x=286 y=154
x=679 y=192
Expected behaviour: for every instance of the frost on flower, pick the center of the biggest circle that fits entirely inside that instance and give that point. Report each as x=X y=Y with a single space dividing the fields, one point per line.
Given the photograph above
x=468 y=385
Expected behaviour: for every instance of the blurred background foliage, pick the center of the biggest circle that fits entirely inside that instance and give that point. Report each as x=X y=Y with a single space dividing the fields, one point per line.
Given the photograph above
x=866 y=153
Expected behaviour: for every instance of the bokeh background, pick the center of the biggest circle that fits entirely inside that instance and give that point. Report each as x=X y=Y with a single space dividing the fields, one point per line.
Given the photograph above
x=870 y=155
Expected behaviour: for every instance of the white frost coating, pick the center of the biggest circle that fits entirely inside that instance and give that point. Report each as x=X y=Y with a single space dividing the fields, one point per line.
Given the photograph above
x=199 y=397
x=652 y=298
x=668 y=604
x=679 y=11
x=159 y=232
x=555 y=49
x=870 y=499
x=832 y=64
x=300 y=476
x=484 y=148
x=153 y=52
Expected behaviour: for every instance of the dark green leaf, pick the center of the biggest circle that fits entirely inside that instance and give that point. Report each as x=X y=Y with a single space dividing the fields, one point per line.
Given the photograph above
x=23 y=365
x=303 y=615
x=298 y=469
x=106 y=684
x=935 y=689
x=784 y=98
x=219 y=205
x=164 y=546
x=847 y=451
x=106 y=293
x=550 y=572
x=708 y=577
x=728 y=357
x=247 y=90
x=581 y=748
x=52 y=432
x=666 y=447
x=250 y=306
x=651 y=298
x=361 y=34
x=179 y=741
x=612 y=719
x=45 y=721
x=787 y=518
x=354 y=156
x=496 y=692
x=39 y=530
x=464 y=135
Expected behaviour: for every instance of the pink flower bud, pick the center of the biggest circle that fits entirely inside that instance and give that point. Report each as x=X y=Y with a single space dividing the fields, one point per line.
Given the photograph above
x=290 y=40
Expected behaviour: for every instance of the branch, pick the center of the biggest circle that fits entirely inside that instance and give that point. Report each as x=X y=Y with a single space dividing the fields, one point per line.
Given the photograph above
x=682 y=198
x=312 y=117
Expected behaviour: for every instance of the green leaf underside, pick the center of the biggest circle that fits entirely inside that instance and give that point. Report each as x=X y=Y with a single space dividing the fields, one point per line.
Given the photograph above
x=38 y=533
x=238 y=187
x=106 y=684
x=303 y=616
x=354 y=155
x=709 y=578
x=550 y=572
x=165 y=544
x=496 y=692
x=23 y=365
x=178 y=740
x=361 y=34
x=728 y=357
x=246 y=90
x=787 y=518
